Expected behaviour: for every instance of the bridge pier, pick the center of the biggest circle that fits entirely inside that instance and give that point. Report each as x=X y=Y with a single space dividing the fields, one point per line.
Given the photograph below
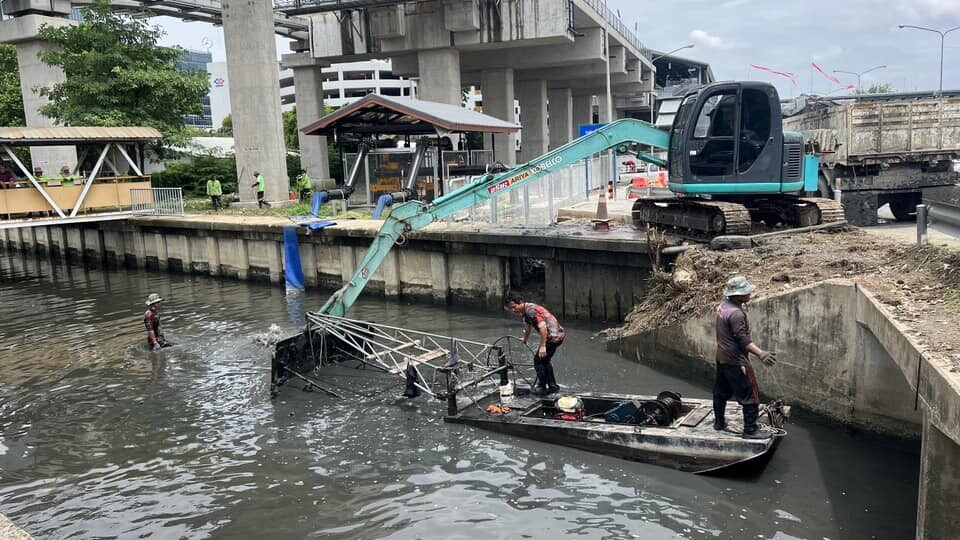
x=498 y=95
x=439 y=71
x=21 y=32
x=562 y=128
x=533 y=112
x=939 y=484
x=308 y=86
x=255 y=98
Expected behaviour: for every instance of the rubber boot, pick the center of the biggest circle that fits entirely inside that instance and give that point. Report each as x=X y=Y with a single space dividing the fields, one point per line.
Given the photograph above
x=750 y=428
x=551 y=379
x=540 y=385
x=719 y=412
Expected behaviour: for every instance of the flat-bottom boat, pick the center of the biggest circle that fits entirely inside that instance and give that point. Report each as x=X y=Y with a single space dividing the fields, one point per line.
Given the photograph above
x=663 y=430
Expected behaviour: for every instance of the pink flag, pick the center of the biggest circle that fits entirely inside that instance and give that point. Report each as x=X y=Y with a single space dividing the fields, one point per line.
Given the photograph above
x=791 y=76
x=831 y=78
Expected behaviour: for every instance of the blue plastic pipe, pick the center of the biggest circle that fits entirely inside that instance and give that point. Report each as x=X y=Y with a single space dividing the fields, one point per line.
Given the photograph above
x=382 y=203
x=293 y=272
x=318 y=199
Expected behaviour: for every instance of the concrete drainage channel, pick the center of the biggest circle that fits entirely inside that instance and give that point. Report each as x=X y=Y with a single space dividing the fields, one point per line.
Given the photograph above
x=845 y=357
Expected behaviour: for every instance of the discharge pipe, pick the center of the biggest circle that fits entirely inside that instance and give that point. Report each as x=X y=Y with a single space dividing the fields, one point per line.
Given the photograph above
x=409 y=190
x=347 y=189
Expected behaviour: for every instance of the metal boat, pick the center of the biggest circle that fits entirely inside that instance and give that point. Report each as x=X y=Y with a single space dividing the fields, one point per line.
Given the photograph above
x=663 y=430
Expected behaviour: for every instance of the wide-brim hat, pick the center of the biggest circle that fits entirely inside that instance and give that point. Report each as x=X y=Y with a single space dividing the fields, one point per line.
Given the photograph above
x=153 y=299
x=738 y=286
x=569 y=404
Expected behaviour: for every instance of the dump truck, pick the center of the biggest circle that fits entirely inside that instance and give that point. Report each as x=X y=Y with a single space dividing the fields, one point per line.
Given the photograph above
x=879 y=149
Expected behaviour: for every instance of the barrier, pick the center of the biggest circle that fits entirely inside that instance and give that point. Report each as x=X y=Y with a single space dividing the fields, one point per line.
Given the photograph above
x=157 y=201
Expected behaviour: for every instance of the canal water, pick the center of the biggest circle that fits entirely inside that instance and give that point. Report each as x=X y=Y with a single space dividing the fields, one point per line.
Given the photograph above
x=101 y=439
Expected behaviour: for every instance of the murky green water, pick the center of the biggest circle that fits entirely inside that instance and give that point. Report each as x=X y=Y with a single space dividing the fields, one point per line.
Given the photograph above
x=100 y=439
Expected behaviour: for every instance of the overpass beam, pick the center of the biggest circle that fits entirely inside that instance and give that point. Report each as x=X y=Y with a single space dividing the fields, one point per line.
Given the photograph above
x=439 y=76
x=560 y=103
x=22 y=32
x=939 y=484
x=255 y=98
x=533 y=117
x=308 y=91
x=498 y=95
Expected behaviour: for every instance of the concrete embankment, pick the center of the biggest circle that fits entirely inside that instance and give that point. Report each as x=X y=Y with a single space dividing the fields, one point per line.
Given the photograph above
x=584 y=274
x=842 y=355
x=9 y=531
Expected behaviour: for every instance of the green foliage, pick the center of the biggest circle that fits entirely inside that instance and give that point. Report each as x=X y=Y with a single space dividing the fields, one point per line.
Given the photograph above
x=226 y=127
x=193 y=176
x=11 y=100
x=877 y=88
x=117 y=74
x=290 y=136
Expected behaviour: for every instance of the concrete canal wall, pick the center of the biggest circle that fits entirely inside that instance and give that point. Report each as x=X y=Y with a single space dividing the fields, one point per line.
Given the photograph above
x=842 y=355
x=584 y=276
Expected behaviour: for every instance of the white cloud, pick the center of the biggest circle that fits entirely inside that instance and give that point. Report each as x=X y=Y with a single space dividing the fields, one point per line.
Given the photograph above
x=710 y=42
x=939 y=8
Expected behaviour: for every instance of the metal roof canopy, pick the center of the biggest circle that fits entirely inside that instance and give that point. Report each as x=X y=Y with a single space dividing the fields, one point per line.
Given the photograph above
x=59 y=136
x=386 y=115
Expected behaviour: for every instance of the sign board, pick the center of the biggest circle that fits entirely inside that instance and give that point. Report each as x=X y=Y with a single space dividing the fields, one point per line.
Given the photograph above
x=586 y=129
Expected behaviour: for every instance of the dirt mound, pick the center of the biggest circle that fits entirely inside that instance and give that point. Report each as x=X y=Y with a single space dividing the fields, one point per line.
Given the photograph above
x=921 y=287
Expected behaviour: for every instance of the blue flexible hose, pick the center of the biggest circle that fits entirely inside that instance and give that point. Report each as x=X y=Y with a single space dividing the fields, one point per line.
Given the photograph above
x=318 y=199
x=382 y=203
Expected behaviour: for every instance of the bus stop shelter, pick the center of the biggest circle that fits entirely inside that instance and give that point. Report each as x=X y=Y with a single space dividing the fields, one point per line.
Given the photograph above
x=106 y=184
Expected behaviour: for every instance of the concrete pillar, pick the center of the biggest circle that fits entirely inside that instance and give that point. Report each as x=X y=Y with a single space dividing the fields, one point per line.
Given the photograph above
x=582 y=112
x=308 y=88
x=533 y=117
x=439 y=76
x=939 y=485
x=562 y=129
x=498 y=96
x=22 y=32
x=602 y=111
x=255 y=97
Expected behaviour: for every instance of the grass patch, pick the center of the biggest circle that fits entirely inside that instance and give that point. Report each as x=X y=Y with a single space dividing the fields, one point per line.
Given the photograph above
x=203 y=206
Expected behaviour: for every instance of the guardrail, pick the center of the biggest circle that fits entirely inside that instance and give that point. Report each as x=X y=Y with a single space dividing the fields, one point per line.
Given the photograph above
x=616 y=24
x=157 y=201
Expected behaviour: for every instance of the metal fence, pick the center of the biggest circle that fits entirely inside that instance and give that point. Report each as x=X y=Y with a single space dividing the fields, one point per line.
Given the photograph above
x=538 y=203
x=157 y=201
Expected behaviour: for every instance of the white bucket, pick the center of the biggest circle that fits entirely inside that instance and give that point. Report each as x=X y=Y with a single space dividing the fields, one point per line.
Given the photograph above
x=506 y=393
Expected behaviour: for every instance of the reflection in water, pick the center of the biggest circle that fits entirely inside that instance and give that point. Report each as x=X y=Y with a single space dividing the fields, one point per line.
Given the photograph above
x=101 y=438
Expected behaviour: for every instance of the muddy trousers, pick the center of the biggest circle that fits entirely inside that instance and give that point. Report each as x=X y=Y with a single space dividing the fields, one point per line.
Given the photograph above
x=544 y=368
x=736 y=382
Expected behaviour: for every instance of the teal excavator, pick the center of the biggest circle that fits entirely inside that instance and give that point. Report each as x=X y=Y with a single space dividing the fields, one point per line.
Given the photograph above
x=730 y=164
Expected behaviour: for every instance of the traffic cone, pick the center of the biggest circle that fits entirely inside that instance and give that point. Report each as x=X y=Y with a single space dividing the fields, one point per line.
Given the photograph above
x=602 y=207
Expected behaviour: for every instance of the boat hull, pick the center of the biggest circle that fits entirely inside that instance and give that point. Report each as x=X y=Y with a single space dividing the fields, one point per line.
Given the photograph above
x=696 y=448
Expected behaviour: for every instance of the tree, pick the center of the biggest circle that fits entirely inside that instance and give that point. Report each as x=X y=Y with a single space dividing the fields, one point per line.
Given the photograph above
x=226 y=127
x=878 y=88
x=291 y=137
x=11 y=100
x=117 y=74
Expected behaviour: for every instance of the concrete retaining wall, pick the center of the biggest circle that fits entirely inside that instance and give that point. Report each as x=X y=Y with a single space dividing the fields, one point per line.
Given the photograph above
x=586 y=277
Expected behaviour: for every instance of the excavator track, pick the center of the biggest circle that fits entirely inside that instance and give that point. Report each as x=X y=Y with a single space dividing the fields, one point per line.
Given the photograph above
x=704 y=219
x=694 y=218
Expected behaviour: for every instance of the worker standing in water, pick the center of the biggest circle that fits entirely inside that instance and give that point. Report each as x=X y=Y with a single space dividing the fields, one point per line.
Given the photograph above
x=551 y=336
x=735 y=376
x=151 y=320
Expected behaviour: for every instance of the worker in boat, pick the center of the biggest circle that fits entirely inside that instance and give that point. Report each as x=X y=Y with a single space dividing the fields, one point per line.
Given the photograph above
x=735 y=376
x=151 y=320
x=551 y=337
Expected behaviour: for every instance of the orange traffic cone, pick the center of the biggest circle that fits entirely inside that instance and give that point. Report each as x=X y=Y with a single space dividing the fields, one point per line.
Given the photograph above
x=602 y=207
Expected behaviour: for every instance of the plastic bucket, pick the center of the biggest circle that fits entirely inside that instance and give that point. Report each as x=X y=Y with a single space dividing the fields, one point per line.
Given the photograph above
x=506 y=393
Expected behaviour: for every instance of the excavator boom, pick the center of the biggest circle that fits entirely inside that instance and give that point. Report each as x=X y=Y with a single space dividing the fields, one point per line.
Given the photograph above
x=415 y=215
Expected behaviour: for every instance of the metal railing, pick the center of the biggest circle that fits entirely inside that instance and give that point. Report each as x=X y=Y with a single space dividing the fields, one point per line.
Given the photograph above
x=157 y=201
x=617 y=25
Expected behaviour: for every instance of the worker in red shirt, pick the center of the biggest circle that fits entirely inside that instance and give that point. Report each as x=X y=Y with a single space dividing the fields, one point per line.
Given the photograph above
x=151 y=320
x=735 y=376
x=551 y=337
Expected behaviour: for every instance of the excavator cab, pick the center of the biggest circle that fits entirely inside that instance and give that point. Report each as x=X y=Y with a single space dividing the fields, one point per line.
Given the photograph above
x=728 y=139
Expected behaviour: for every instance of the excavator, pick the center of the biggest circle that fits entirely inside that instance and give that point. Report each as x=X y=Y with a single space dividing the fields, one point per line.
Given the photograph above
x=730 y=164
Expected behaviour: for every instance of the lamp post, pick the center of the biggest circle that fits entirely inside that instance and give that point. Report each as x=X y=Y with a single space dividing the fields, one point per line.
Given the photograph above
x=659 y=56
x=858 y=75
x=943 y=35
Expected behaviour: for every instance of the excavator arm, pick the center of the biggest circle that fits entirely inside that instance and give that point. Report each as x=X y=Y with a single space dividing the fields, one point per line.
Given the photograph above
x=415 y=215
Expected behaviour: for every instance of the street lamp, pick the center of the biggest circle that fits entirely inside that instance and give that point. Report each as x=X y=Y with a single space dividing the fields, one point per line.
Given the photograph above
x=943 y=35
x=861 y=74
x=690 y=46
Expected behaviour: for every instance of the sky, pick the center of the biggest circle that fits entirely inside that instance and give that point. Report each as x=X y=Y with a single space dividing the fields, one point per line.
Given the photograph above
x=783 y=35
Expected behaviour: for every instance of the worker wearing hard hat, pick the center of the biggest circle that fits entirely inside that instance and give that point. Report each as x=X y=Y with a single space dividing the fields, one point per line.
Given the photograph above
x=151 y=320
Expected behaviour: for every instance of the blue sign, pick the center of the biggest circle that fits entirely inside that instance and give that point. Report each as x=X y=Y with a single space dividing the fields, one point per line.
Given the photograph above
x=586 y=129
